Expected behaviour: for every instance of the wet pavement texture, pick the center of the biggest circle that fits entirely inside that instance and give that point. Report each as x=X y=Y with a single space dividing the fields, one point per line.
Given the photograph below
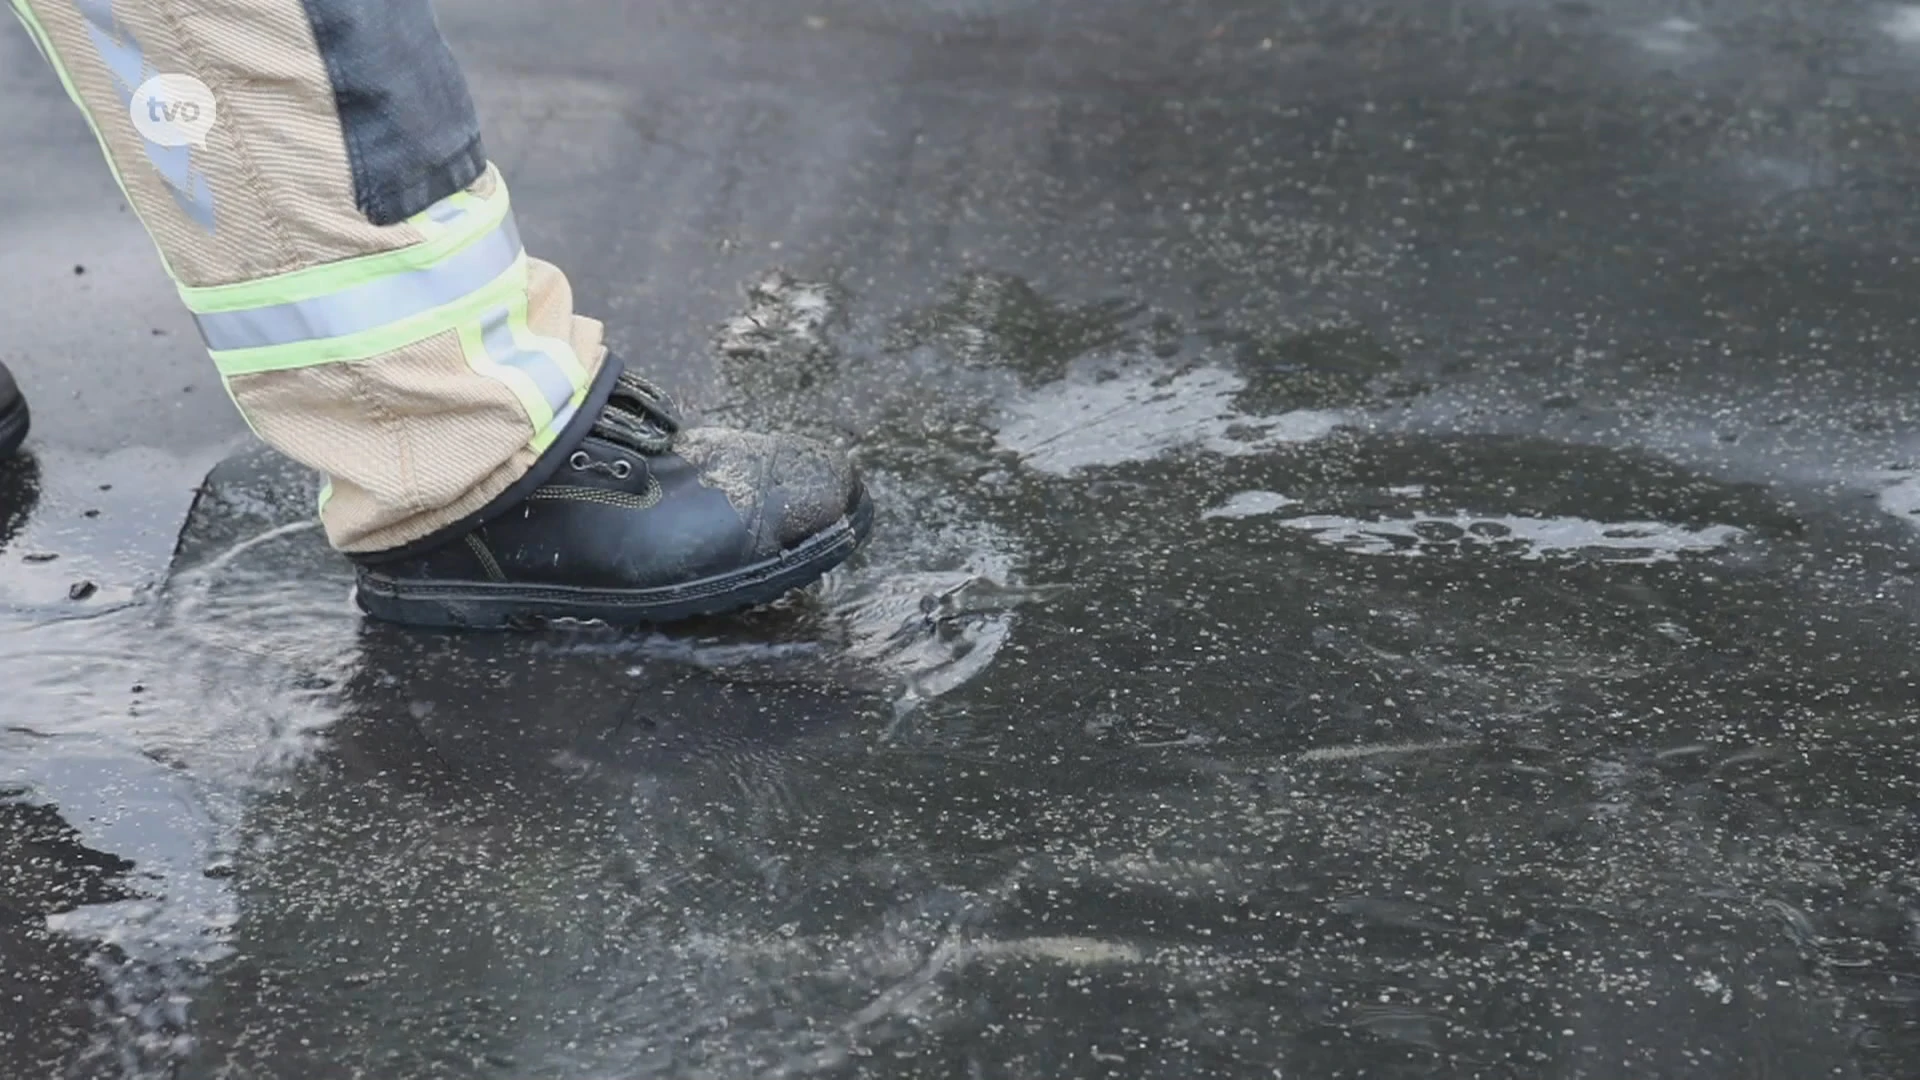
x=1397 y=558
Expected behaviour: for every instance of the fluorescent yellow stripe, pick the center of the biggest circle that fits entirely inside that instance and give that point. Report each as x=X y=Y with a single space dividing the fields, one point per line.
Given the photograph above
x=545 y=438
x=318 y=281
x=326 y=495
x=368 y=344
x=539 y=413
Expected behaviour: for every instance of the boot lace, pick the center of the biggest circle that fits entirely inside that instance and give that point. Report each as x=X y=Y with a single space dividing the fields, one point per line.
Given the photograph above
x=639 y=415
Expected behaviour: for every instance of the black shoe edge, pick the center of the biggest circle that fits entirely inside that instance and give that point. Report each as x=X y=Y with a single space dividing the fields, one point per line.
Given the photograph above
x=482 y=605
x=14 y=422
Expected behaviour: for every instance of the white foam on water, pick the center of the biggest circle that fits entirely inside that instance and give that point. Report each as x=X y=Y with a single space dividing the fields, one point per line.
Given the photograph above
x=1246 y=504
x=1519 y=536
x=1526 y=538
x=1901 y=495
x=1141 y=413
x=1902 y=24
x=1375 y=750
x=1669 y=37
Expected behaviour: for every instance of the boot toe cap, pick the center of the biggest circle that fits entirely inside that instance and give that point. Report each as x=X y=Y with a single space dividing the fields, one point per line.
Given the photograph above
x=810 y=485
x=817 y=486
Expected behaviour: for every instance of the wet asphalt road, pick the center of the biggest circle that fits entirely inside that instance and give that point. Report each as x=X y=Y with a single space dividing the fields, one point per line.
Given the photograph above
x=1398 y=559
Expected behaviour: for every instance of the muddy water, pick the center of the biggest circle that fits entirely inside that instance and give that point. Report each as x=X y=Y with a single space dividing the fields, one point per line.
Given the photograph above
x=1199 y=709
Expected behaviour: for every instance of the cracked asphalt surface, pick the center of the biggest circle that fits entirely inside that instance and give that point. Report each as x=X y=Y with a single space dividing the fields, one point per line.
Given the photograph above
x=1397 y=558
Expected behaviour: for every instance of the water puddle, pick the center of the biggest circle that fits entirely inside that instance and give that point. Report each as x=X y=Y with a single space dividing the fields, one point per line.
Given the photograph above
x=1123 y=749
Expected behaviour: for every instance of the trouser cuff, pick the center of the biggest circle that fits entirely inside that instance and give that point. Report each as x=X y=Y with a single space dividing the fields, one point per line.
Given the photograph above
x=532 y=480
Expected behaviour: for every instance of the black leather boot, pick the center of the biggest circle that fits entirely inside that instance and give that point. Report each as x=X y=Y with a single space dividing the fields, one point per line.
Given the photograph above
x=645 y=523
x=13 y=414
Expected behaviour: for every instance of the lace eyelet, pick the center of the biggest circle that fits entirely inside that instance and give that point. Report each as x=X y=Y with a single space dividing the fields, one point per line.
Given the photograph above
x=580 y=461
x=622 y=470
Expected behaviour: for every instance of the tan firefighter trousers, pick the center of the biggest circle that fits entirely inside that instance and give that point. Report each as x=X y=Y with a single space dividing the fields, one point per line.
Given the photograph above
x=312 y=175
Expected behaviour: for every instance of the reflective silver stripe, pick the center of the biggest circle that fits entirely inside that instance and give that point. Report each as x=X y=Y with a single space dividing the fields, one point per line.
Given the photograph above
x=368 y=306
x=121 y=54
x=562 y=418
x=496 y=333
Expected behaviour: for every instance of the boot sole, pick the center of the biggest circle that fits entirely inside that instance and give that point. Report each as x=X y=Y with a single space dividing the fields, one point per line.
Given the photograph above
x=14 y=422
x=506 y=606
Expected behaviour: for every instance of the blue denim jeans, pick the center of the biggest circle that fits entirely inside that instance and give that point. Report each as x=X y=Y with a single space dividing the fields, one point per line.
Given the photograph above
x=412 y=135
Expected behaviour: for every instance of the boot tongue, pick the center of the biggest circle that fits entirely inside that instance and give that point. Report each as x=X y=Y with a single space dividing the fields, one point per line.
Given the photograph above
x=639 y=416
